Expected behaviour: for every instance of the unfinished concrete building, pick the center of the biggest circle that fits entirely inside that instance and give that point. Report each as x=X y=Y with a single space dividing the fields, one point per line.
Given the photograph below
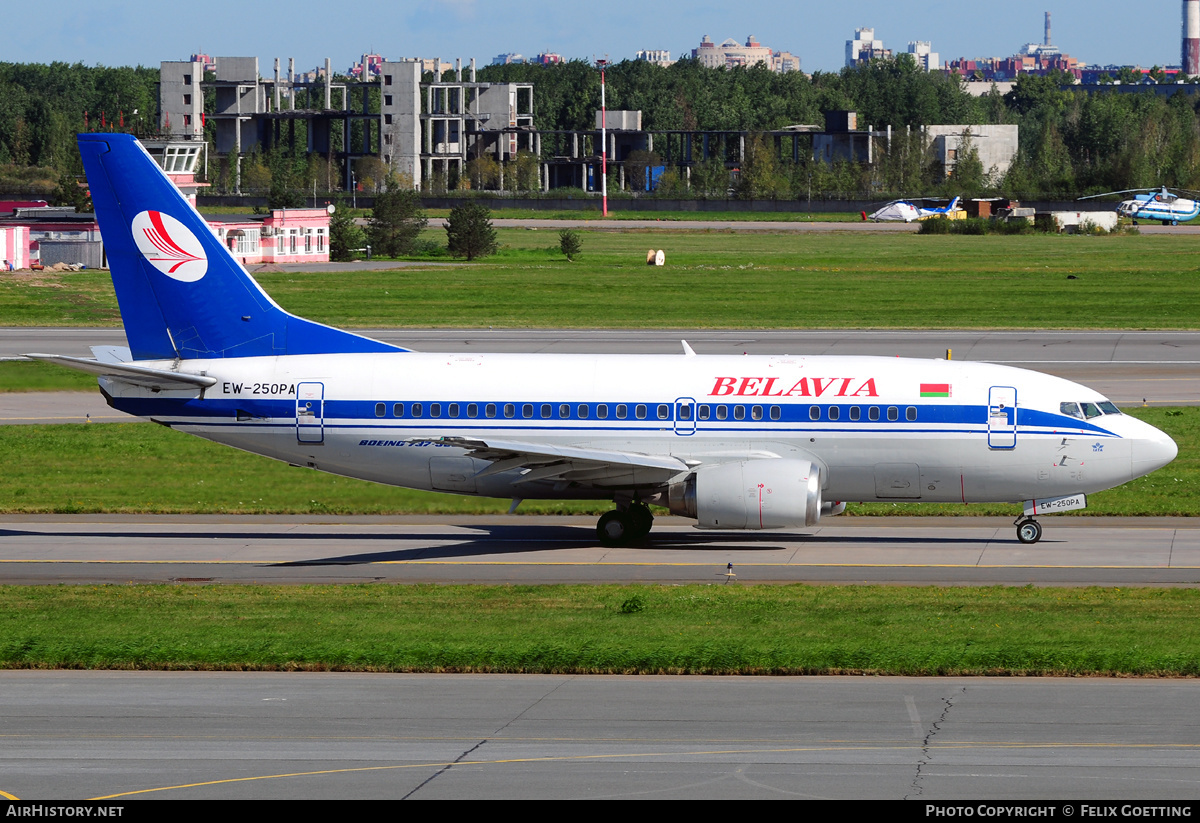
x=432 y=130
x=427 y=131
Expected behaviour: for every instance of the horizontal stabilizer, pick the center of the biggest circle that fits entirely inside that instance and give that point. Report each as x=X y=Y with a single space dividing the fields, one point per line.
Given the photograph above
x=138 y=375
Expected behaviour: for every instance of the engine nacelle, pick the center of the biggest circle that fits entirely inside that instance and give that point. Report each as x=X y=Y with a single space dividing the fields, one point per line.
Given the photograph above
x=772 y=493
x=831 y=508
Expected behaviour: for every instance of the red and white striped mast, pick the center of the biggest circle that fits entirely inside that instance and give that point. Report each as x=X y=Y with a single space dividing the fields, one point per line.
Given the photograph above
x=1190 y=63
x=603 y=142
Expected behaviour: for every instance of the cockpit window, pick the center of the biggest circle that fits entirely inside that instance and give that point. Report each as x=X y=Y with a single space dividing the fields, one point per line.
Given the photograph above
x=1109 y=407
x=1090 y=410
x=1070 y=409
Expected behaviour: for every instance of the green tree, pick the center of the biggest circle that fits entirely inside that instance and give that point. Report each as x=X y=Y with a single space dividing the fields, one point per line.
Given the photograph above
x=637 y=165
x=523 y=173
x=969 y=176
x=483 y=172
x=70 y=193
x=469 y=231
x=345 y=236
x=570 y=244
x=256 y=176
x=759 y=175
x=396 y=221
x=285 y=191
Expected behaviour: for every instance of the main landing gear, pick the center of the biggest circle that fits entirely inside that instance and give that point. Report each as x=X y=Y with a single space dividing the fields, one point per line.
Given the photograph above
x=1028 y=529
x=628 y=525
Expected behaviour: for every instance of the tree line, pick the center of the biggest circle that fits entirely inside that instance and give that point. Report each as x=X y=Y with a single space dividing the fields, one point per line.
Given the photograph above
x=1072 y=141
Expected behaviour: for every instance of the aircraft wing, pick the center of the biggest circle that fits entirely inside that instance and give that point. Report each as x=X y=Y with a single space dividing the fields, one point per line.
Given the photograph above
x=138 y=375
x=568 y=464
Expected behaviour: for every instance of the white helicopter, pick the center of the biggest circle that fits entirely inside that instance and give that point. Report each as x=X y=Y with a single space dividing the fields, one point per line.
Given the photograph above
x=908 y=211
x=1155 y=204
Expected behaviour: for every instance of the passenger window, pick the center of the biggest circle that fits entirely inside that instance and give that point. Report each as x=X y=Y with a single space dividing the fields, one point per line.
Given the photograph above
x=775 y=413
x=855 y=413
x=722 y=412
x=640 y=411
x=1090 y=410
x=622 y=411
x=1070 y=410
x=582 y=409
x=509 y=410
x=398 y=410
x=380 y=409
x=435 y=409
x=489 y=410
x=756 y=412
x=527 y=411
x=664 y=412
x=416 y=409
x=704 y=412
x=739 y=412
x=547 y=410
x=602 y=411
x=873 y=413
x=453 y=410
x=685 y=411
x=814 y=412
x=834 y=412
x=564 y=411
x=911 y=413
x=472 y=410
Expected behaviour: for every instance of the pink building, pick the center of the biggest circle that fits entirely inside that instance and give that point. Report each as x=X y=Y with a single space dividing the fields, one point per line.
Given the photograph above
x=286 y=236
x=14 y=247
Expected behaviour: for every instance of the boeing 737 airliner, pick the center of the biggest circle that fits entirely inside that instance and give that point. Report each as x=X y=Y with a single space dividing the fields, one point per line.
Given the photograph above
x=733 y=442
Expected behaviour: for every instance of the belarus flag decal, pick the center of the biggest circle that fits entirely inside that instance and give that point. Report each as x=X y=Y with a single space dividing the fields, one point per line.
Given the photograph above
x=169 y=246
x=935 y=389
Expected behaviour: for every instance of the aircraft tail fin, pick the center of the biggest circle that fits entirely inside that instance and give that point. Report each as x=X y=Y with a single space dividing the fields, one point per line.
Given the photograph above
x=181 y=292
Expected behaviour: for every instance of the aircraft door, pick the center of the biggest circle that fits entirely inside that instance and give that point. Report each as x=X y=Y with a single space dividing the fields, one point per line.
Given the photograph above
x=1002 y=417
x=685 y=416
x=310 y=412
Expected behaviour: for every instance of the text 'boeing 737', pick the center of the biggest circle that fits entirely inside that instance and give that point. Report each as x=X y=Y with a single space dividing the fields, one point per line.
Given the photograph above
x=733 y=442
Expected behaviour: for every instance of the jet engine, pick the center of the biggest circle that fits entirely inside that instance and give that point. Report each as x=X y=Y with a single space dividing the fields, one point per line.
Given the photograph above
x=772 y=493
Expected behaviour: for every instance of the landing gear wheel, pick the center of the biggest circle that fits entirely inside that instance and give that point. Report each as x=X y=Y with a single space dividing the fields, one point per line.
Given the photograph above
x=640 y=520
x=1029 y=531
x=614 y=528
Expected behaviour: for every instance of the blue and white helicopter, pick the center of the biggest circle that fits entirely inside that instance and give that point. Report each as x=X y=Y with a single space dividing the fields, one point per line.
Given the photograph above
x=1155 y=204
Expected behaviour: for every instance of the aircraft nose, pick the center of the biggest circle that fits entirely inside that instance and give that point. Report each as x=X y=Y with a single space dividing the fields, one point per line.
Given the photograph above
x=1152 y=452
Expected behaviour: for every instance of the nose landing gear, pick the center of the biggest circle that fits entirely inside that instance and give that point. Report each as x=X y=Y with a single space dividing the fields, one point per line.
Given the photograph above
x=1028 y=530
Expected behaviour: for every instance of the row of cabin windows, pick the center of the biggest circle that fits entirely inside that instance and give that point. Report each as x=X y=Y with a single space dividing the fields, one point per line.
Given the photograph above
x=641 y=411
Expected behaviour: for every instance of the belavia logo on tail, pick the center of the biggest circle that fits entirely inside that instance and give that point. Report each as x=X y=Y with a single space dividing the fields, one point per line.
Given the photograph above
x=170 y=246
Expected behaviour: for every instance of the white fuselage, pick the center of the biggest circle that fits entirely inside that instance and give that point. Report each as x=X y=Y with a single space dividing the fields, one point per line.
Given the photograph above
x=879 y=428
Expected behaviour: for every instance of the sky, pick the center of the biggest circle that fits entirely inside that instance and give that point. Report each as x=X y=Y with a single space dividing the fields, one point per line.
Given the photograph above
x=140 y=32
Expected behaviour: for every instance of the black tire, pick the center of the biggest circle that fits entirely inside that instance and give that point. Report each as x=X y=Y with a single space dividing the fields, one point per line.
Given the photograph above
x=1029 y=531
x=640 y=521
x=613 y=529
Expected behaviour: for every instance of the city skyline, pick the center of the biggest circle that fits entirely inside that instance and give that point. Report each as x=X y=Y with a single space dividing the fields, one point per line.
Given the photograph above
x=134 y=32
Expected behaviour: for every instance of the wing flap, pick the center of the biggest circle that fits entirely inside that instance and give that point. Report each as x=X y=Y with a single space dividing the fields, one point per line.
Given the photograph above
x=594 y=467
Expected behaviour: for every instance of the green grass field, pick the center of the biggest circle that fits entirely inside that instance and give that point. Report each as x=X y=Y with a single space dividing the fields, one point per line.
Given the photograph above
x=607 y=629
x=723 y=280
x=144 y=468
x=713 y=279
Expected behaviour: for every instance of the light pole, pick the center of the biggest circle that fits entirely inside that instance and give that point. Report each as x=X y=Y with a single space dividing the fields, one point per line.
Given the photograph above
x=603 y=142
